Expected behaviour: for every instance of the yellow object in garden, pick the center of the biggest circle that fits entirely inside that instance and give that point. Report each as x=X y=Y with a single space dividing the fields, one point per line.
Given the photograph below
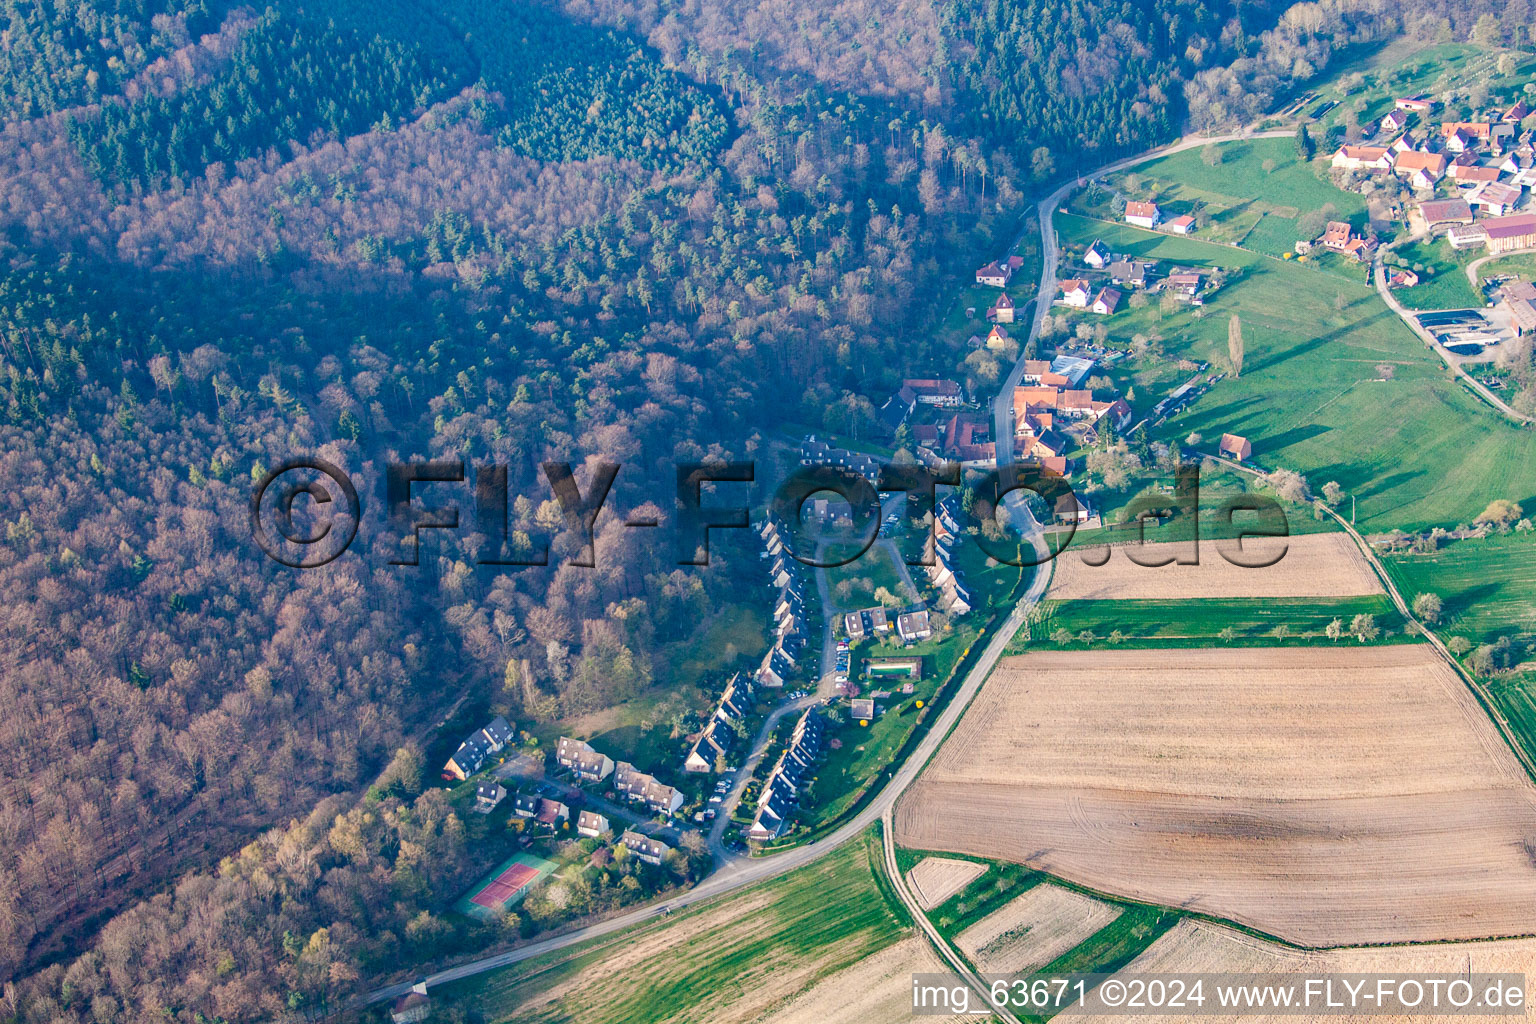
x=863 y=721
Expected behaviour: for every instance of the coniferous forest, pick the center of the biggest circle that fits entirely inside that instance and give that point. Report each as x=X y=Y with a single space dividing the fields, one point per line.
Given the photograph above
x=493 y=230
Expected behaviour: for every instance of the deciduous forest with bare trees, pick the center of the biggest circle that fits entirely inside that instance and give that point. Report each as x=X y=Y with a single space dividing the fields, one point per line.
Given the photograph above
x=637 y=230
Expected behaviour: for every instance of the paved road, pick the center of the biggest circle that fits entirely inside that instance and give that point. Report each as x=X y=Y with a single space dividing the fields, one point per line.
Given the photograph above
x=733 y=873
x=1051 y=253
x=1438 y=349
x=955 y=960
x=737 y=872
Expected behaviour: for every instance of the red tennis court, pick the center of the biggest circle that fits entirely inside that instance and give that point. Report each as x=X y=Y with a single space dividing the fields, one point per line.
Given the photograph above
x=504 y=886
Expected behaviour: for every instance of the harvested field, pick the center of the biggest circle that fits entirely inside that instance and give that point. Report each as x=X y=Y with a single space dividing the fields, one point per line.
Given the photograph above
x=936 y=879
x=1034 y=929
x=1330 y=796
x=1202 y=947
x=1313 y=565
x=877 y=988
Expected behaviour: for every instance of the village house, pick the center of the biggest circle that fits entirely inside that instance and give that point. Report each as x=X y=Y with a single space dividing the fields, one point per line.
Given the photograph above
x=1516 y=113
x=1106 y=302
x=1072 y=508
x=814 y=452
x=1075 y=292
x=868 y=622
x=651 y=851
x=1182 y=225
x=1402 y=277
x=1505 y=234
x=1393 y=121
x=640 y=788
x=994 y=275
x=1002 y=310
x=1339 y=237
x=1420 y=170
x=1363 y=158
x=775 y=668
x=1235 y=447
x=897 y=408
x=1143 y=215
x=591 y=824
x=997 y=338
x=471 y=755
x=525 y=805
x=965 y=438
x=580 y=758
x=551 y=812
x=1184 y=284
x=412 y=1007
x=913 y=626
x=1469 y=130
x=944 y=393
x=1097 y=255
x=1127 y=272
x=488 y=795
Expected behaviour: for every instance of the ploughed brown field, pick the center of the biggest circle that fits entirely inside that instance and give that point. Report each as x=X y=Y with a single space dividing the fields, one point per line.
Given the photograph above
x=1329 y=796
x=1313 y=565
x=1196 y=947
x=1029 y=932
x=936 y=879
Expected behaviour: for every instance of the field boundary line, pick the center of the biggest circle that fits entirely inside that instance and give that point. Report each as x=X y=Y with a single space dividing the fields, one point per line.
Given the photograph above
x=961 y=966
x=1466 y=677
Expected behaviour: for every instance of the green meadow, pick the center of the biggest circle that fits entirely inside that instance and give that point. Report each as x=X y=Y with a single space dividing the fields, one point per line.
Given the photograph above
x=1333 y=386
x=705 y=956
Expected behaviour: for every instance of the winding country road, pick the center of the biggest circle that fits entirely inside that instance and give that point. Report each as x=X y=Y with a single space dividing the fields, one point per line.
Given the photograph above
x=739 y=872
x=736 y=872
x=1379 y=268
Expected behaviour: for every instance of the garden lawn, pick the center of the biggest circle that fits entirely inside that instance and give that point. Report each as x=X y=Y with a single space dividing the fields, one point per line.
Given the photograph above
x=1445 y=286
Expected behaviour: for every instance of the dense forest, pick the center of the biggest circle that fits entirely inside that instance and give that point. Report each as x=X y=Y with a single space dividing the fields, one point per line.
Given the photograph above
x=484 y=230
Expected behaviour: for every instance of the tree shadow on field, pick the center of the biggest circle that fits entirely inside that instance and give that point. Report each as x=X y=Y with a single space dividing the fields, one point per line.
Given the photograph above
x=1469 y=599
x=1312 y=344
x=1295 y=435
x=1387 y=483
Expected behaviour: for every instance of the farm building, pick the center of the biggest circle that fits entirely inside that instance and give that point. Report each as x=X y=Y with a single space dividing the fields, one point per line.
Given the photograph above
x=1236 y=447
x=1445 y=211
x=1509 y=233
x=1467 y=236
x=1182 y=225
